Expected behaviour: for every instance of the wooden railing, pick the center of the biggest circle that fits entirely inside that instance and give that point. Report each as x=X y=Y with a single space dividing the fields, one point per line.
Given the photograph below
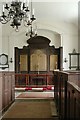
x=28 y=79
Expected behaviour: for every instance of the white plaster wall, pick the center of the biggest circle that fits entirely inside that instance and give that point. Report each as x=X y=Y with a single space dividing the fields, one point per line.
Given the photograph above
x=70 y=42
x=60 y=34
x=69 y=38
x=49 y=25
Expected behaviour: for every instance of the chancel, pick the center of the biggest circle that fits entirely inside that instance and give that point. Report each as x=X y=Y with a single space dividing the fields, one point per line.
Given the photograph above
x=39 y=60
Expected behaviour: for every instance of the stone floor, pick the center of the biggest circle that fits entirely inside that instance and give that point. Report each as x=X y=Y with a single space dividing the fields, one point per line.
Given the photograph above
x=32 y=108
x=35 y=94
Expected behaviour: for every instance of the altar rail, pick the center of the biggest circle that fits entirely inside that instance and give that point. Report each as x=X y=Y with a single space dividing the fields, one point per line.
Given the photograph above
x=23 y=80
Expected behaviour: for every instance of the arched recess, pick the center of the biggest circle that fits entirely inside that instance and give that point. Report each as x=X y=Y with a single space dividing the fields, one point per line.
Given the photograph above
x=46 y=30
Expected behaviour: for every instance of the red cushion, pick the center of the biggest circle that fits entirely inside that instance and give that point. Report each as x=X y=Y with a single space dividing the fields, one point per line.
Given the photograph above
x=49 y=87
x=28 y=88
x=44 y=88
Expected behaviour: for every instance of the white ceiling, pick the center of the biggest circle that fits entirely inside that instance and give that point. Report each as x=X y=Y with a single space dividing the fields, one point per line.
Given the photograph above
x=63 y=11
x=57 y=11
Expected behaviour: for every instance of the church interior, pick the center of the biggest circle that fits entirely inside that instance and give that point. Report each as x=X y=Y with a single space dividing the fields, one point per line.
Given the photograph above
x=39 y=59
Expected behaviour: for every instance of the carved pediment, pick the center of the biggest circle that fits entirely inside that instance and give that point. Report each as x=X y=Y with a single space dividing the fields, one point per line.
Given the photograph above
x=39 y=42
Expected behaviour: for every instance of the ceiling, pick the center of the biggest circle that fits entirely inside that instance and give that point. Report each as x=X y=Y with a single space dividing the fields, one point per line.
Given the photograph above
x=57 y=11
x=63 y=11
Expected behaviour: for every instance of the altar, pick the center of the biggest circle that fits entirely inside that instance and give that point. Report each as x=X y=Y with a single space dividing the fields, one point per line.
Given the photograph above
x=38 y=80
x=33 y=79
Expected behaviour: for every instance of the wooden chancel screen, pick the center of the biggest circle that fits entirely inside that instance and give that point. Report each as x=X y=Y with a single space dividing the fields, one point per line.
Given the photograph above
x=38 y=57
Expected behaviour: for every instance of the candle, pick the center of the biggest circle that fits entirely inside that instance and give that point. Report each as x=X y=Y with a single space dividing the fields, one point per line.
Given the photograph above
x=21 y=6
x=33 y=12
x=27 y=3
x=3 y=8
x=35 y=31
x=29 y=17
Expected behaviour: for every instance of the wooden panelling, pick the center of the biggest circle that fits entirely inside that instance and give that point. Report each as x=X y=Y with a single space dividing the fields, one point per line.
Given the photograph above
x=73 y=103
x=53 y=62
x=67 y=94
x=0 y=91
x=7 y=84
x=23 y=63
x=38 y=61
